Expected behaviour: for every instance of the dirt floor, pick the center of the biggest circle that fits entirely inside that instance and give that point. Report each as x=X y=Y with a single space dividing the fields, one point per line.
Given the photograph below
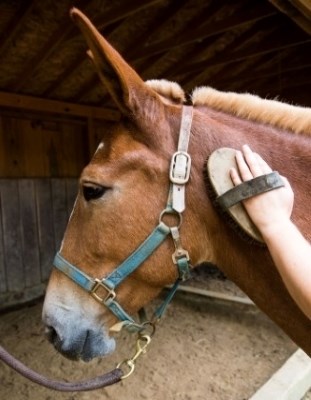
x=204 y=349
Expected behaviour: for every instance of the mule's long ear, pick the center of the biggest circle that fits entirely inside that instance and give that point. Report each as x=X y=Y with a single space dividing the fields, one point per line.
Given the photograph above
x=125 y=86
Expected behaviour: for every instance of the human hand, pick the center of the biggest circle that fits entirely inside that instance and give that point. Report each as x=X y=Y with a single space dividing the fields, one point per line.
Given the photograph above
x=270 y=210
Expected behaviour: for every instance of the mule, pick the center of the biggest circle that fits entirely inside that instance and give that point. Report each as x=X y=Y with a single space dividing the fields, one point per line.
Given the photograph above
x=124 y=188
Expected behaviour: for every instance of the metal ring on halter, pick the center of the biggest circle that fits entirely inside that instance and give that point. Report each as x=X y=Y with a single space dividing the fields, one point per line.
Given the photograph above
x=171 y=212
x=148 y=326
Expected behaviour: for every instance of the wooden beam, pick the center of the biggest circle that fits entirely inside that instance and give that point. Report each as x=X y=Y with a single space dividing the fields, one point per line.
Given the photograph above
x=56 y=107
x=290 y=382
x=15 y=24
x=278 y=41
x=283 y=82
x=89 y=83
x=116 y=14
x=69 y=70
x=146 y=65
x=67 y=30
x=246 y=36
x=242 y=81
x=87 y=86
x=73 y=66
x=59 y=34
x=296 y=12
x=257 y=11
x=214 y=295
x=162 y=18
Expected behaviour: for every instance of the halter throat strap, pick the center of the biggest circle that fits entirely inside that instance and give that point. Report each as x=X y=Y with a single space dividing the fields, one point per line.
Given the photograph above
x=103 y=290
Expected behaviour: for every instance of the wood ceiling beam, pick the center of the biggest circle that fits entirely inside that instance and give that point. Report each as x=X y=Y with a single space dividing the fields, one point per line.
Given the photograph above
x=147 y=64
x=284 y=83
x=59 y=34
x=162 y=18
x=69 y=70
x=87 y=87
x=257 y=10
x=15 y=25
x=282 y=40
x=76 y=63
x=247 y=35
x=284 y=64
x=67 y=30
x=17 y=101
x=296 y=12
x=127 y=9
x=165 y=20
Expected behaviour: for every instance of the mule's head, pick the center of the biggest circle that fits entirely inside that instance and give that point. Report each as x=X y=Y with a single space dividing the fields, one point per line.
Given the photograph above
x=121 y=194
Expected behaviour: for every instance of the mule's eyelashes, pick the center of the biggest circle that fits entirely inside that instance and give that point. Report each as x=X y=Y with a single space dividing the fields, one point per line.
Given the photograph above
x=92 y=191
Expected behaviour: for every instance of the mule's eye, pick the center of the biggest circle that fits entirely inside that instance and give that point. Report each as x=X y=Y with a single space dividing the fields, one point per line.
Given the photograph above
x=93 y=192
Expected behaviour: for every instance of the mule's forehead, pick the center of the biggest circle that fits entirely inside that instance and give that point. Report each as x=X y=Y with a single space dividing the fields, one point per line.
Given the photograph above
x=122 y=154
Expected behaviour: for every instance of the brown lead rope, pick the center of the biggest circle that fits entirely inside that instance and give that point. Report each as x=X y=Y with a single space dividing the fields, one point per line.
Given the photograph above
x=101 y=381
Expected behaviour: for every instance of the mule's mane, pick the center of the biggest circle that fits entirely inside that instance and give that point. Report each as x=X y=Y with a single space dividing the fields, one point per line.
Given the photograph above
x=281 y=115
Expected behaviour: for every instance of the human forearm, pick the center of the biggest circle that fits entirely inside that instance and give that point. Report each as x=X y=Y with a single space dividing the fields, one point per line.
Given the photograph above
x=291 y=253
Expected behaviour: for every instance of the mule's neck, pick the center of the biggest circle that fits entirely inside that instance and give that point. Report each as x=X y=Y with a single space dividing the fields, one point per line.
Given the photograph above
x=250 y=266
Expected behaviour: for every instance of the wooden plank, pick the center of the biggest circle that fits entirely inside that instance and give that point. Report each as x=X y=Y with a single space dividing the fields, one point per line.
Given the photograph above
x=10 y=299
x=3 y=285
x=45 y=226
x=12 y=153
x=60 y=211
x=72 y=149
x=30 y=238
x=16 y=24
x=32 y=139
x=56 y=107
x=214 y=295
x=297 y=12
x=257 y=10
x=290 y=382
x=41 y=148
x=71 y=193
x=12 y=239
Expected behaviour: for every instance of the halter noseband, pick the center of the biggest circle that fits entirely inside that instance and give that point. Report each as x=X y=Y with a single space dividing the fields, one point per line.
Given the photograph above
x=179 y=176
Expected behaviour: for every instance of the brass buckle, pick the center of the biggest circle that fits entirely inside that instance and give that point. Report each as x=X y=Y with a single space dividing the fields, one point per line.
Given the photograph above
x=100 y=284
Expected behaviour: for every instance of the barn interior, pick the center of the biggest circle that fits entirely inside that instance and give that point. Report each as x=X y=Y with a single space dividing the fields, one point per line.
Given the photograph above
x=53 y=108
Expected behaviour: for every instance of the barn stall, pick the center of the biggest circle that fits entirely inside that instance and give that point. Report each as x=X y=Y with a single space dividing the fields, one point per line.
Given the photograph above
x=53 y=109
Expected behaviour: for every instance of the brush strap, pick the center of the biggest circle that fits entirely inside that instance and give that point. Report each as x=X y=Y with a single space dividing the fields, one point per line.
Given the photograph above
x=250 y=188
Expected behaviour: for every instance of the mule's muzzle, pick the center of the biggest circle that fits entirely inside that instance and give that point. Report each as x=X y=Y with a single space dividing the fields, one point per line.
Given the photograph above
x=73 y=352
x=83 y=345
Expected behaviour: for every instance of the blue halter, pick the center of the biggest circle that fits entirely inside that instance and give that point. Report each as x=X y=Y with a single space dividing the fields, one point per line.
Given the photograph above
x=179 y=176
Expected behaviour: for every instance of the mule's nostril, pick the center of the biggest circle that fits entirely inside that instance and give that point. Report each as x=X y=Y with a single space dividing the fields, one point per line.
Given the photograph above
x=51 y=334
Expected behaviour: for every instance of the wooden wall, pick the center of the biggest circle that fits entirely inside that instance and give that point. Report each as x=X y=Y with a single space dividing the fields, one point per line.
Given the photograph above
x=40 y=162
x=34 y=214
x=32 y=147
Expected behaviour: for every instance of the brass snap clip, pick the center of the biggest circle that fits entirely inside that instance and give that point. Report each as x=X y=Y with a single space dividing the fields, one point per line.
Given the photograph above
x=141 y=348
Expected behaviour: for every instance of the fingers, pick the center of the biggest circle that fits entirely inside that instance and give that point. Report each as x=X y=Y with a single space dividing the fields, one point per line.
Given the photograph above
x=252 y=168
x=244 y=170
x=250 y=164
x=235 y=177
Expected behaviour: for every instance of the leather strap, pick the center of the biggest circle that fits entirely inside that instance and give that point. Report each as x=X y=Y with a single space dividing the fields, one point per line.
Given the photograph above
x=253 y=187
x=181 y=161
x=107 y=379
x=108 y=284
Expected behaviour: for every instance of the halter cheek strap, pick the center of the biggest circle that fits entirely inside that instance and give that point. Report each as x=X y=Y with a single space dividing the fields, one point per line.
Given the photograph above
x=103 y=290
x=96 y=287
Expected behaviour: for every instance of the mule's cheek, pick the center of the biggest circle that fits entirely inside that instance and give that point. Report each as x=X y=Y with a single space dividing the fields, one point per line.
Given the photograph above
x=75 y=332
